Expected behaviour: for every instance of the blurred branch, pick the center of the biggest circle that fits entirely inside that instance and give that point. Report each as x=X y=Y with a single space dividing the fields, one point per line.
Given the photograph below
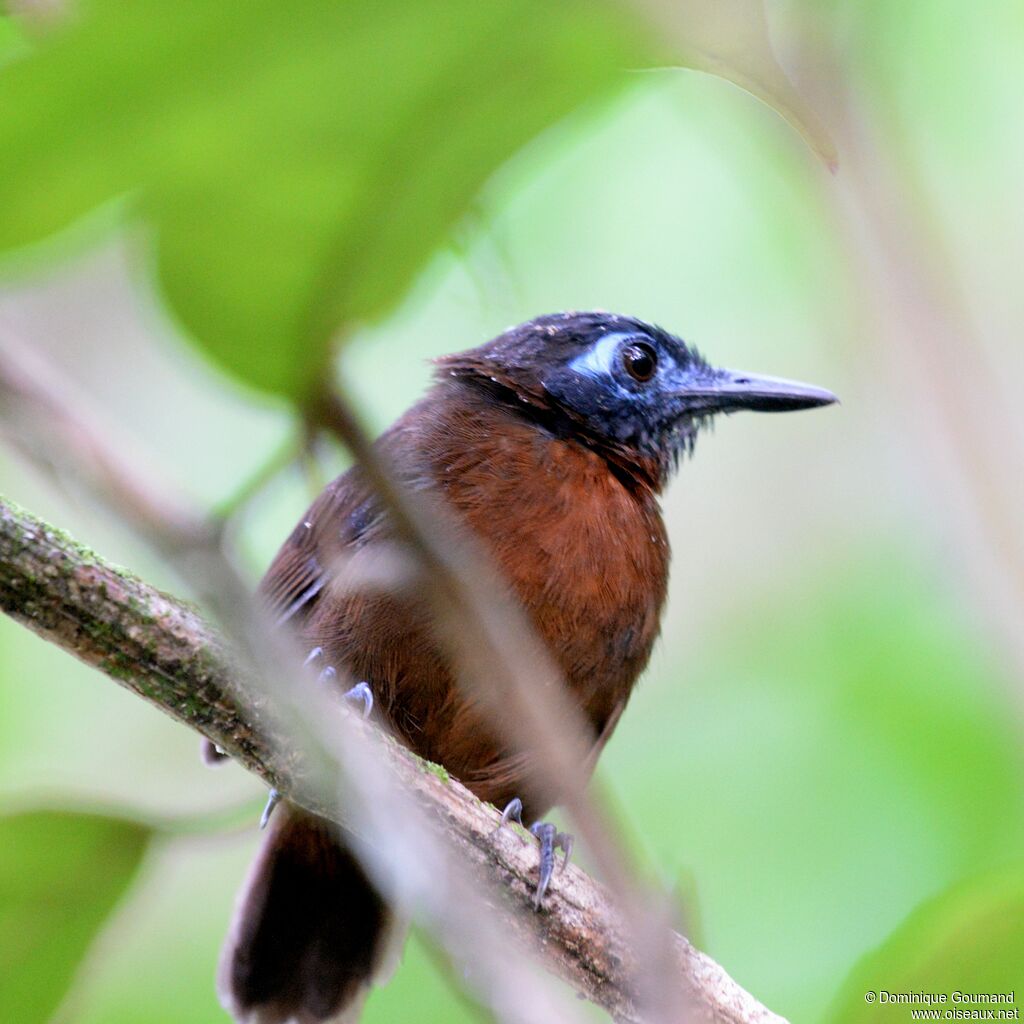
x=162 y=650
x=499 y=657
x=333 y=763
x=920 y=329
x=71 y=448
x=500 y=662
x=732 y=39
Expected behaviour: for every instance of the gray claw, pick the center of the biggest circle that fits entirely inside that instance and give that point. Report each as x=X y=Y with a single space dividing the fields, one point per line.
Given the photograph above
x=360 y=694
x=272 y=801
x=513 y=812
x=550 y=840
x=565 y=841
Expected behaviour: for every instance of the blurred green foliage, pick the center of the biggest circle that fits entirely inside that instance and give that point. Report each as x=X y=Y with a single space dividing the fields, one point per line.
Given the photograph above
x=972 y=933
x=844 y=749
x=61 y=874
x=296 y=163
x=828 y=737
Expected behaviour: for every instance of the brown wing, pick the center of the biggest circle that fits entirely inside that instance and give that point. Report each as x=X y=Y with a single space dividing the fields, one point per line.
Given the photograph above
x=341 y=516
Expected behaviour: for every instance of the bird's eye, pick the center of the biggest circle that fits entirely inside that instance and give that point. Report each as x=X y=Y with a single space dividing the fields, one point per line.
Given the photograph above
x=640 y=361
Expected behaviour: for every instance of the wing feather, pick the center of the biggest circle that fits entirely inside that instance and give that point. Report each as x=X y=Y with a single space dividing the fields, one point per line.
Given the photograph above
x=340 y=517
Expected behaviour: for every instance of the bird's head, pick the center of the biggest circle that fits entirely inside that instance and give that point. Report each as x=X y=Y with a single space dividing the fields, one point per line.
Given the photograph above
x=631 y=390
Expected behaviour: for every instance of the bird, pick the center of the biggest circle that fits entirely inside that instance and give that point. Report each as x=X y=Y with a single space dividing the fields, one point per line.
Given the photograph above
x=550 y=443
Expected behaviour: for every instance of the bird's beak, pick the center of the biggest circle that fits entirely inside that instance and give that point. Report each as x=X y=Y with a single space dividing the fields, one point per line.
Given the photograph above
x=729 y=390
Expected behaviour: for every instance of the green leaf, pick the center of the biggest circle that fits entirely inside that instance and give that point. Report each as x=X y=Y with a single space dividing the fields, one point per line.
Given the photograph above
x=61 y=874
x=12 y=41
x=297 y=162
x=969 y=939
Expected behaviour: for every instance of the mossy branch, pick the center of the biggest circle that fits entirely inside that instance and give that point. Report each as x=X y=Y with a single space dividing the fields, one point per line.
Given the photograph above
x=160 y=648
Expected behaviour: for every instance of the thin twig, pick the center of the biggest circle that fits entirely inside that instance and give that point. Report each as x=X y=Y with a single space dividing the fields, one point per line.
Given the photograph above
x=502 y=663
x=40 y=415
x=918 y=329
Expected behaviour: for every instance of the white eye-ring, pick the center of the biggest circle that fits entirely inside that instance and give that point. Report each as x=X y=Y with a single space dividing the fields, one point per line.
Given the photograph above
x=600 y=358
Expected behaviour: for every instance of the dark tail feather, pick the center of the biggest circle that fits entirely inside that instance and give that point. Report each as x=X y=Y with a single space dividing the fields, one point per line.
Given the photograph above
x=309 y=930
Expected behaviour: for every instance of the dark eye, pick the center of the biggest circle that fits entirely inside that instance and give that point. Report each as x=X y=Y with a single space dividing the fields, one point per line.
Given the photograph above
x=640 y=361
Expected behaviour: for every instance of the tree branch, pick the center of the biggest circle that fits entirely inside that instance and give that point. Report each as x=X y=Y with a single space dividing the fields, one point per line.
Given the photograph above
x=161 y=649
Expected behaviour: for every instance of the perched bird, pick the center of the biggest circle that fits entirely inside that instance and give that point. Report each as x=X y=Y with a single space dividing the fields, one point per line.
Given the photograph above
x=551 y=443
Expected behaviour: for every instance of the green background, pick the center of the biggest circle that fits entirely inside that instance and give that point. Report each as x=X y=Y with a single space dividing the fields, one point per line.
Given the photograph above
x=824 y=760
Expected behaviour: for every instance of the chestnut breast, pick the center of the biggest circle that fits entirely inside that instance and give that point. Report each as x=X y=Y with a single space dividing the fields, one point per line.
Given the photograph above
x=584 y=549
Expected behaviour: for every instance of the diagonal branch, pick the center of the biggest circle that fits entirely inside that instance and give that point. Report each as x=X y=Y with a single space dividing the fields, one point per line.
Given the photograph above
x=161 y=649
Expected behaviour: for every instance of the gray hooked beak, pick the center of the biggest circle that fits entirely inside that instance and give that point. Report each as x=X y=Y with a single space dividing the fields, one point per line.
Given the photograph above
x=729 y=390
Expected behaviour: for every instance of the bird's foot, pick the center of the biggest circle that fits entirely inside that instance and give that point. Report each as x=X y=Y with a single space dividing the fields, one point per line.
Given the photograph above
x=550 y=840
x=273 y=799
x=360 y=694
x=513 y=812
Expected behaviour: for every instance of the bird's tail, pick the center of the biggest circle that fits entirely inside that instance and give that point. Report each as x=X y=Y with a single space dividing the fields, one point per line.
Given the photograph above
x=309 y=931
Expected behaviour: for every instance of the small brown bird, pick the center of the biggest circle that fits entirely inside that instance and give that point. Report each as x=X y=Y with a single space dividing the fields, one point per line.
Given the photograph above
x=551 y=444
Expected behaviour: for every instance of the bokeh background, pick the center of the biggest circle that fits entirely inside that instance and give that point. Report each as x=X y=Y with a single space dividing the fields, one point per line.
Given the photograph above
x=825 y=758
